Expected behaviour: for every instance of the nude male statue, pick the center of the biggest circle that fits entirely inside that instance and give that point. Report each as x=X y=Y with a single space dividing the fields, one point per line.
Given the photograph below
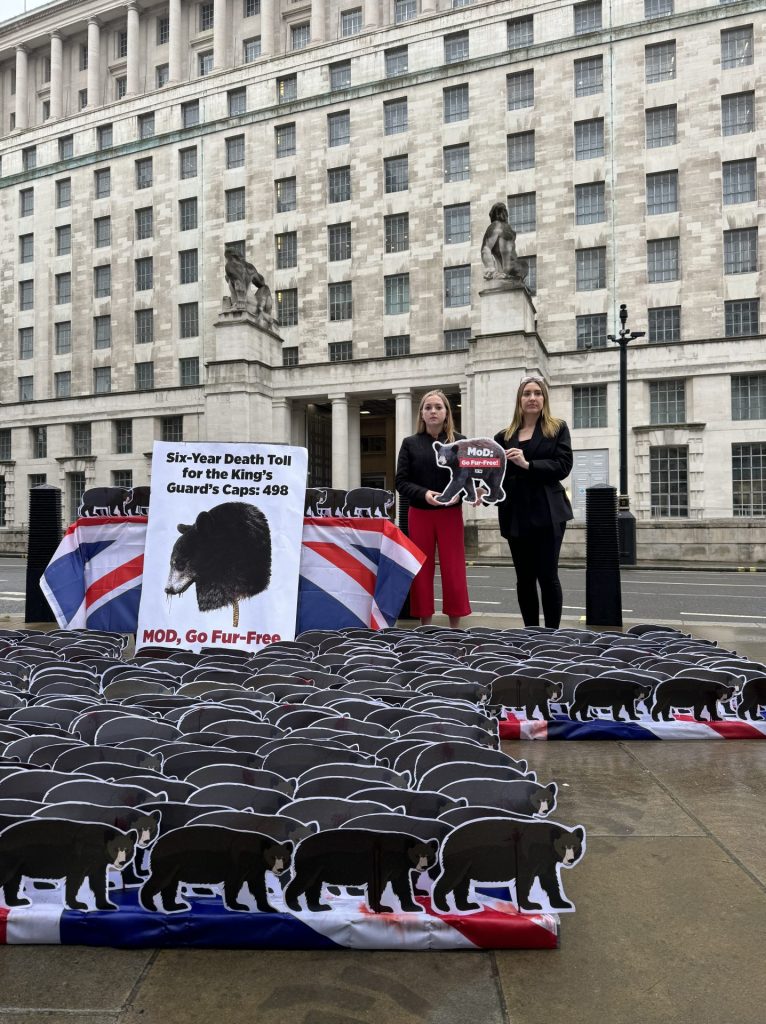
x=498 y=249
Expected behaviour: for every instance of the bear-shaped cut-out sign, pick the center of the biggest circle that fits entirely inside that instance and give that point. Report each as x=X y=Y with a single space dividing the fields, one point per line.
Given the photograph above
x=474 y=461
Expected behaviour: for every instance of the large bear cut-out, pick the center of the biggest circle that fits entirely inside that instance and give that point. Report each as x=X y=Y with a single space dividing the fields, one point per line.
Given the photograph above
x=474 y=460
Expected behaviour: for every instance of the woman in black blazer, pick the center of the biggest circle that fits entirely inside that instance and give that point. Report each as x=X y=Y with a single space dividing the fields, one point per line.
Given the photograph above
x=536 y=508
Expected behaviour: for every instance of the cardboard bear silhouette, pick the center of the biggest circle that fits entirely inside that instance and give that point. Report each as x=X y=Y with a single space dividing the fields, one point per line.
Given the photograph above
x=368 y=502
x=612 y=693
x=697 y=694
x=475 y=460
x=498 y=851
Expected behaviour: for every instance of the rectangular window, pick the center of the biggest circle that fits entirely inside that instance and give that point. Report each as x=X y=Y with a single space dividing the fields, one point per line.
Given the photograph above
x=457 y=162
x=251 y=49
x=190 y=113
x=5 y=444
x=397 y=345
x=286 y=199
x=457 y=340
x=457 y=223
x=587 y=17
x=340 y=351
x=76 y=489
x=287 y=307
x=397 y=294
x=120 y=87
x=740 y=251
x=397 y=61
x=26 y=295
x=29 y=158
x=284 y=135
x=287 y=88
x=205 y=63
x=120 y=44
x=339 y=301
x=171 y=428
x=63 y=193
x=144 y=273
x=144 y=326
x=144 y=172
x=522 y=214
x=37 y=479
x=660 y=61
x=235 y=152
x=102 y=380
x=590 y=206
x=187 y=266
x=102 y=183
x=455 y=103
x=589 y=406
x=405 y=10
x=122 y=478
x=235 y=204
x=662 y=259
x=339 y=128
x=748 y=475
x=102 y=332
x=62 y=384
x=144 y=222
x=63 y=337
x=661 y=127
x=351 y=22
x=187 y=162
x=338 y=184
x=520 y=32
x=26 y=342
x=521 y=151
x=339 y=242
x=290 y=355
x=662 y=192
x=26 y=389
x=520 y=89
x=26 y=248
x=395 y=116
x=300 y=36
x=63 y=288
x=123 y=437
x=396 y=172
x=146 y=125
x=664 y=324
x=66 y=147
x=455 y=47
x=251 y=8
x=236 y=101
x=82 y=99
x=163 y=30
x=188 y=319
x=26 y=202
x=144 y=376
x=161 y=75
x=81 y=439
x=748 y=396
x=102 y=281
x=737 y=46
x=39 y=443
x=102 y=232
x=589 y=76
x=738 y=182
x=741 y=318
x=667 y=402
x=286 y=246
x=738 y=113
x=457 y=286
x=590 y=269
x=669 y=474
x=187 y=214
x=657 y=8
x=591 y=331
x=589 y=138
x=188 y=370
x=104 y=136
x=340 y=75
x=397 y=232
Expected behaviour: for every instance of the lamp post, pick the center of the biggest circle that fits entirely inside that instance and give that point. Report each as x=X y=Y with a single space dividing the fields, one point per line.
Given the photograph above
x=626 y=521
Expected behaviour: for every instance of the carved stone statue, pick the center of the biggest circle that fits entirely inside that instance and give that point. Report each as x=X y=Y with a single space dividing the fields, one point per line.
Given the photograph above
x=240 y=275
x=498 y=249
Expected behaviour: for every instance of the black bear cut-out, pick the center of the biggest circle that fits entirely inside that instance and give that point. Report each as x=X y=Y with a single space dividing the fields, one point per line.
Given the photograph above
x=690 y=693
x=475 y=459
x=608 y=693
x=52 y=849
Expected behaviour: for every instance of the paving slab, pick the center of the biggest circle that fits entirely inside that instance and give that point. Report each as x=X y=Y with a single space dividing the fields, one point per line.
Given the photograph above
x=327 y=987
x=668 y=930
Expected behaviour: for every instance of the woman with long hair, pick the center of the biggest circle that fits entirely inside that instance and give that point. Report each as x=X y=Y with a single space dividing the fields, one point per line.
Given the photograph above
x=536 y=508
x=432 y=524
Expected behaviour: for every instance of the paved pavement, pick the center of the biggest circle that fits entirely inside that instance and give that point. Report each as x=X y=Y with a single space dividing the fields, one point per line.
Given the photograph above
x=670 y=924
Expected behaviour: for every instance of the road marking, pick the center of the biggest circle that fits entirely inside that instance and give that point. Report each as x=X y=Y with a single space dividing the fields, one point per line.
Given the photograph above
x=486 y=602
x=723 y=615
x=12 y=593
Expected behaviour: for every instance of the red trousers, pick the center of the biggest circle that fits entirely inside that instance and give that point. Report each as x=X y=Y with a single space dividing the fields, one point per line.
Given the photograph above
x=442 y=527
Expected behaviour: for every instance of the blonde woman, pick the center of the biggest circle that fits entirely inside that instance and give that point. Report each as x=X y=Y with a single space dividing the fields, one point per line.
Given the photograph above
x=431 y=524
x=536 y=508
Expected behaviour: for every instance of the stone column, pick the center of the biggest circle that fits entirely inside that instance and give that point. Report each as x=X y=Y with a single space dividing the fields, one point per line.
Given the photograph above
x=57 y=80
x=371 y=14
x=281 y=420
x=354 y=446
x=467 y=425
x=340 y=442
x=133 y=54
x=403 y=416
x=22 y=91
x=94 y=62
x=318 y=19
x=268 y=20
x=298 y=425
x=176 y=57
x=427 y=6
x=220 y=34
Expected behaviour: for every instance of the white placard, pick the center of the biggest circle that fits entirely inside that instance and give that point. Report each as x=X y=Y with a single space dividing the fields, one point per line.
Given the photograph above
x=223 y=545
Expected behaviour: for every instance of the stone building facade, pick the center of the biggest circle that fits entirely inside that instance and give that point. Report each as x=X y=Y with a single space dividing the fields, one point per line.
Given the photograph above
x=352 y=149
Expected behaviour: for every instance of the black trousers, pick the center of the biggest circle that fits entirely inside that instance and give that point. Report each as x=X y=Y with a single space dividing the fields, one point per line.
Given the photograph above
x=536 y=560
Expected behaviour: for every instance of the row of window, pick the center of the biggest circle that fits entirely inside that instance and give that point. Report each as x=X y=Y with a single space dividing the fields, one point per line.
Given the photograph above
x=188 y=373
x=80 y=435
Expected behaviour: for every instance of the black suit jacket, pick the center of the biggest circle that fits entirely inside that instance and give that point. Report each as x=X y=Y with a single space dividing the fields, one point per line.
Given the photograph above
x=535 y=497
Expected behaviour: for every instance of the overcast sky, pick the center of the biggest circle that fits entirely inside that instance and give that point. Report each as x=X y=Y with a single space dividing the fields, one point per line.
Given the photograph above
x=10 y=8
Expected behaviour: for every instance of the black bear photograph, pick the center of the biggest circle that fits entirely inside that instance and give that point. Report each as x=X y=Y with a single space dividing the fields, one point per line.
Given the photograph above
x=212 y=855
x=477 y=460
x=357 y=857
x=689 y=693
x=49 y=849
x=226 y=554
x=497 y=851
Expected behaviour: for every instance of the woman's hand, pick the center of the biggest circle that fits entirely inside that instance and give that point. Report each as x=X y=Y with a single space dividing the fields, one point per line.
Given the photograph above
x=516 y=456
x=432 y=496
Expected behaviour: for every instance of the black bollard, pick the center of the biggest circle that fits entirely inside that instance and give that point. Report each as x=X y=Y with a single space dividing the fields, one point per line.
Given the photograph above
x=44 y=537
x=603 y=596
x=402 y=523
